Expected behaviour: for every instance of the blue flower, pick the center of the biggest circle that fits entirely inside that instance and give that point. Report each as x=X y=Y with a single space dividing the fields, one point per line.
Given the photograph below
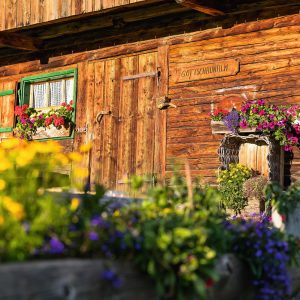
x=56 y=246
x=93 y=236
x=112 y=277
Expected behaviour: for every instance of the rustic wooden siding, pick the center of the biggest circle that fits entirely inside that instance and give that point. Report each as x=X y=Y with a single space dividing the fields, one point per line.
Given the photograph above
x=269 y=69
x=18 y=13
x=268 y=52
x=124 y=141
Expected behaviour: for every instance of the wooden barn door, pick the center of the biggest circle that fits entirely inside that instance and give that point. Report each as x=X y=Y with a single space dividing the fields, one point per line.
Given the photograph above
x=125 y=132
x=255 y=157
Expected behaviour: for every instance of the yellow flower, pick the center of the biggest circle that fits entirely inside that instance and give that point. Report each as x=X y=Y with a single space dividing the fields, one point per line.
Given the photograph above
x=75 y=156
x=1 y=220
x=15 y=208
x=24 y=158
x=2 y=184
x=116 y=213
x=4 y=164
x=167 y=211
x=80 y=172
x=85 y=148
x=75 y=203
x=10 y=143
x=61 y=158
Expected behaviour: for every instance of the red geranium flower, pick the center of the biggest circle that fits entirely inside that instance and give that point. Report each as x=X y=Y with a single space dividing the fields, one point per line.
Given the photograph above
x=48 y=121
x=59 y=121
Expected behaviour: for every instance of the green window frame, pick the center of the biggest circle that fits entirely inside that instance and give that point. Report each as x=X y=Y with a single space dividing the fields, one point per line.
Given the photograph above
x=2 y=94
x=24 y=91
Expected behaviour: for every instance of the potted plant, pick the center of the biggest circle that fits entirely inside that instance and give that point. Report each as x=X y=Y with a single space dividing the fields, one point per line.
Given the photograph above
x=231 y=186
x=253 y=191
x=223 y=121
x=39 y=124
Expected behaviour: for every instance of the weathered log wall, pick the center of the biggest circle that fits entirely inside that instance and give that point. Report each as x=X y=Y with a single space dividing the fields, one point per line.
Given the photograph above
x=269 y=69
x=267 y=52
x=18 y=13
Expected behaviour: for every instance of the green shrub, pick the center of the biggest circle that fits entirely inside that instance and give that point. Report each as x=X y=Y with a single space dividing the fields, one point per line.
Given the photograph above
x=285 y=201
x=174 y=238
x=231 y=186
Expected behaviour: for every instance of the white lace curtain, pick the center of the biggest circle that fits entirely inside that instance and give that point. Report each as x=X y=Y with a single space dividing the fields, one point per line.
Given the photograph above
x=51 y=93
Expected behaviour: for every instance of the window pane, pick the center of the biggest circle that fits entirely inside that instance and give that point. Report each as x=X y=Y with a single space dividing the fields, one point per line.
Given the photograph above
x=69 y=89
x=56 y=93
x=39 y=95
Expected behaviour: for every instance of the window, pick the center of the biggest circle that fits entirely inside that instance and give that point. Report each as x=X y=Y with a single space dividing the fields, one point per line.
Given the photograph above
x=46 y=93
x=51 y=93
x=49 y=90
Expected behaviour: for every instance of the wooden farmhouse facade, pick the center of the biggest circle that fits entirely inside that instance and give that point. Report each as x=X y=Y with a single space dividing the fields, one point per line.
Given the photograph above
x=143 y=76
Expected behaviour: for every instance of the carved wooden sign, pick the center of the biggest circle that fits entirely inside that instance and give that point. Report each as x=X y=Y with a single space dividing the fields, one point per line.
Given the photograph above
x=212 y=70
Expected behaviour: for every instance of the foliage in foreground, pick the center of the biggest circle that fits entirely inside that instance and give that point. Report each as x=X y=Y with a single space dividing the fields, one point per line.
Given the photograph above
x=284 y=201
x=175 y=233
x=30 y=217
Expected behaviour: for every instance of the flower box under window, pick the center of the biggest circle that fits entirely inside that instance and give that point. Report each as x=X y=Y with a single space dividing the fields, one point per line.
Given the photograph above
x=218 y=127
x=52 y=131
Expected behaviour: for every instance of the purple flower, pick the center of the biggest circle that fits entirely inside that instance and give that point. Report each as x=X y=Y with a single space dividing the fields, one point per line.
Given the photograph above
x=232 y=120
x=56 y=246
x=287 y=148
x=112 y=277
x=261 y=102
x=262 y=113
x=93 y=236
x=293 y=139
x=255 y=110
x=98 y=221
x=271 y=125
x=280 y=123
x=243 y=123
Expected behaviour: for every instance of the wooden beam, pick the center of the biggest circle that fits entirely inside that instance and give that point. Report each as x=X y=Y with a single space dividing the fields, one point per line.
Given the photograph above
x=19 y=41
x=195 y=4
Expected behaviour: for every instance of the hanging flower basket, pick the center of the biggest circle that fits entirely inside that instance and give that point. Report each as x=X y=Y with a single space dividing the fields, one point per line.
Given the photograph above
x=52 y=132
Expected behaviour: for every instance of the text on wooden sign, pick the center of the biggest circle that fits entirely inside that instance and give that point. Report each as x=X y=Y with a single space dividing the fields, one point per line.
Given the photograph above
x=211 y=70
